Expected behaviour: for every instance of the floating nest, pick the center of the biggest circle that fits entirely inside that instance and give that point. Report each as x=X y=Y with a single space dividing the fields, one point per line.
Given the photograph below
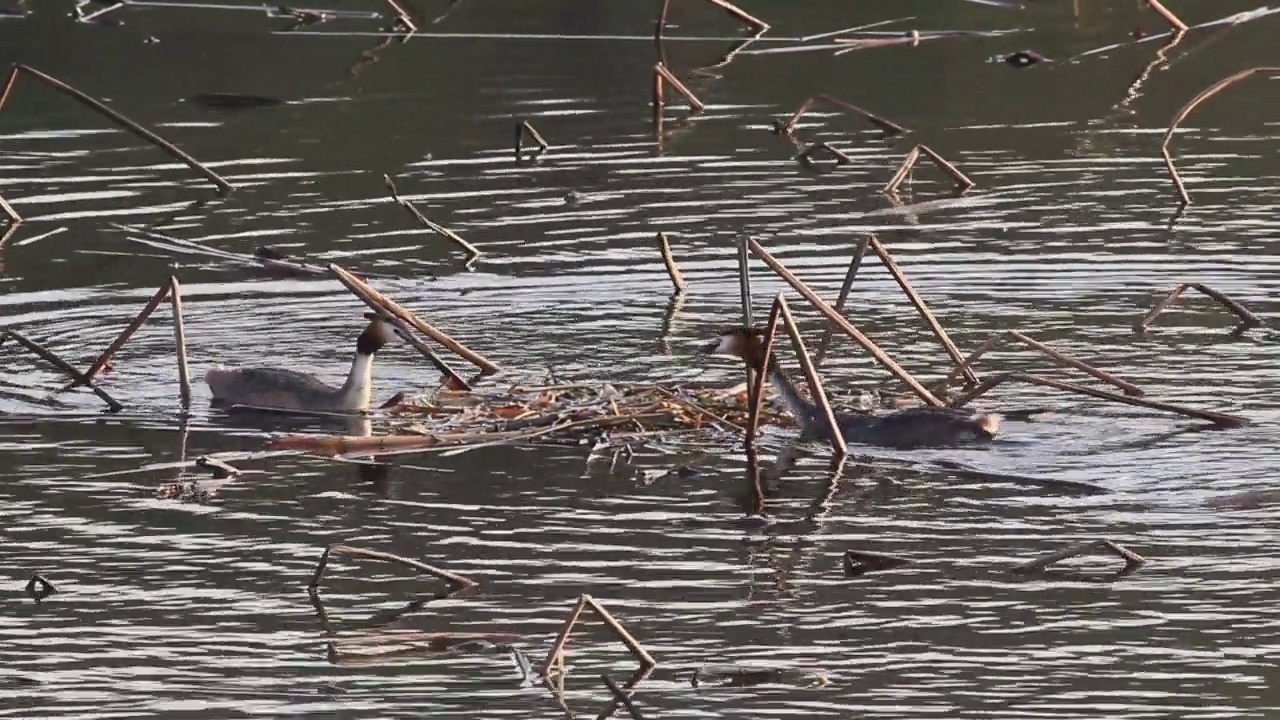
x=577 y=413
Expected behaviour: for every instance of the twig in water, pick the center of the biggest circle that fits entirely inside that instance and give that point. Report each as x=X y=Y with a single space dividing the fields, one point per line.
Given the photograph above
x=90 y=17
x=962 y=181
x=888 y=126
x=757 y=24
x=850 y=275
x=456 y=582
x=807 y=155
x=39 y=588
x=1131 y=559
x=755 y=396
x=14 y=218
x=622 y=697
x=821 y=306
x=887 y=260
x=673 y=270
x=1056 y=355
x=858 y=562
x=66 y=367
x=524 y=128
x=811 y=375
x=102 y=360
x=379 y=302
x=1217 y=418
x=1192 y=105
x=217 y=468
x=471 y=250
x=135 y=128
x=744 y=292
x=180 y=343
x=10 y=232
x=403 y=16
x=661 y=70
x=1168 y=16
x=1247 y=319
x=586 y=601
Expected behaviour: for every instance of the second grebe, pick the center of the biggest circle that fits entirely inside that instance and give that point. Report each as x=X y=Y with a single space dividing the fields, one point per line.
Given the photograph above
x=916 y=427
x=290 y=389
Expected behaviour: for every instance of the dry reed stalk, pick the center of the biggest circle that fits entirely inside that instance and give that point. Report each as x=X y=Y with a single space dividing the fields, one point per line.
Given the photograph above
x=123 y=337
x=1247 y=318
x=1132 y=560
x=556 y=653
x=1056 y=355
x=405 y=331
x=180 y=342
x=888 y=126
x=1186 y=110
x=66 y=367
x=119 y=119
x=403 y=16
x=457 y=582
x=9 y=232
x=821 y=306
x=379 y=302
x=471 y=250
x=660 y=25
x=659 y=102
x=1217 y=418
x=1168 y=16
x=14 y=218
x=962 y=181
x=694 y=103
x=673 y=270
x=744 y=292
x=1065 y=359
x=734 y=10
x=99 y=13
x=850 y=275
x=621 y=697
x=892 y=266
x=755 y=394
x=217 y=468
x=524 y=128
x=811 y=376
x=857 y=562
x=891 y=188
x=841 y=157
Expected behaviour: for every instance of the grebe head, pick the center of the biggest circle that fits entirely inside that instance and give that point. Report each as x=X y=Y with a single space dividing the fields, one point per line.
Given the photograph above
x=741 y=342
x=378 y=333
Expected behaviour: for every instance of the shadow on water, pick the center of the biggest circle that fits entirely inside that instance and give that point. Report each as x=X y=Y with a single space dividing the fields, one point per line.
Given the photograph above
x=181 y=589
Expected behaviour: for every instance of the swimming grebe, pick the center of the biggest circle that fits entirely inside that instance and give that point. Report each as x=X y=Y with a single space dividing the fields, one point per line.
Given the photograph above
x=916 y=427
x=280 y=388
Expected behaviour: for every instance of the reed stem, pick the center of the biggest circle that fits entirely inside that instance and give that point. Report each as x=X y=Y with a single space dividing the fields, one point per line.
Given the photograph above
x=379 y=302
x=180 y=343
x=403 y=16
x=921 y=307
x=811 y=375
x=821 y=306
x=66 y=367
x=14 y=218
x=1065 y=359
x=850 y=275
x=471 y=250
x=1168 y=16
x=694 y=103
x=123 y=337
x=1131 y=559
x=755 y=393
x=135 y=128
x=457 y=582
x=1247 y=318
x=673 y=270
x=405 y=331
x=557 y=647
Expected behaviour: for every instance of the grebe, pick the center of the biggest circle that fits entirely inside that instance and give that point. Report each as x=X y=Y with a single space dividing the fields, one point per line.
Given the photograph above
x=916 y=427
x=279 y=388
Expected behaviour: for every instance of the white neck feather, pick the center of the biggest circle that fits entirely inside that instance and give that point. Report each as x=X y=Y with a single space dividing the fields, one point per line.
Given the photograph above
x=358 y=389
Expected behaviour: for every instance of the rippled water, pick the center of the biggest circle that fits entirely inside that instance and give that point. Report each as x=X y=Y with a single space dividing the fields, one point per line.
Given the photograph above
x=175 y=609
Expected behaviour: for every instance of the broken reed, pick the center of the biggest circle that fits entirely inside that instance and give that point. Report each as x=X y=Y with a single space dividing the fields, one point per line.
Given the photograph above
x=888 y=126
x=455 y=581
x=1168 y=16
x=849 y=276
x=556 y=653
x=1132 y=560
x=1247 y=319
x=811 y=376
x=1053 y=354
x=471 y=250
x=380 y=303
x=663 y=75
x=962 y=181
x=403 y=16
x=669 y=261
x=847 y=327
x=14 y=218
x=523 y=128
x=121 y=120
x=758 y=25
x=50 y=357
x=1186 y=110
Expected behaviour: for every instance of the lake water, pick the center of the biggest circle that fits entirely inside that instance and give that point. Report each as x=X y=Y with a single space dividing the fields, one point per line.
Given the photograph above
x=200 y=609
